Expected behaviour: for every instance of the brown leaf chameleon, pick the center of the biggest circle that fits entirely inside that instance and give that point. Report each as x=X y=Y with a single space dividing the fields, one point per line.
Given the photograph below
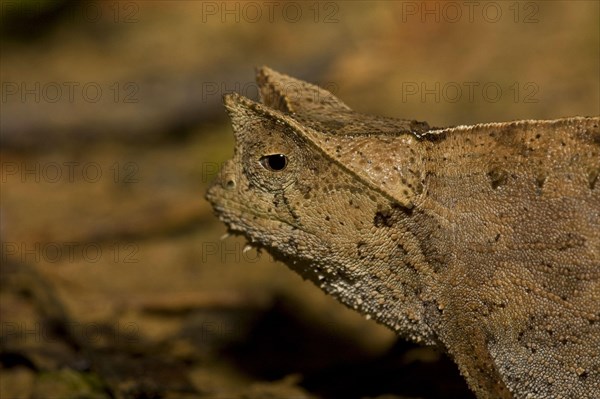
x=483 y=240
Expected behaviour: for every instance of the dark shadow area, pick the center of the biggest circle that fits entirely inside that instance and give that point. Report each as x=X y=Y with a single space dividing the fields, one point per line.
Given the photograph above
x=24 y=21
x=280 y=343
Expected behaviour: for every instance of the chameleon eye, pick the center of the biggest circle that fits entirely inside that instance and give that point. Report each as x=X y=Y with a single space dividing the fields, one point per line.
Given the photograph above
x=274 y=162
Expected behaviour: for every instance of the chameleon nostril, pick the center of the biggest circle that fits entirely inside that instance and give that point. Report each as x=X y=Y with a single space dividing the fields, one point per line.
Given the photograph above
x=230 y=184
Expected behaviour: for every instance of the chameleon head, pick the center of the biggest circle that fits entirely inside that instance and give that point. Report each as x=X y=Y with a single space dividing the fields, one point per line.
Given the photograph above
x=308 y=196
x=284 y=195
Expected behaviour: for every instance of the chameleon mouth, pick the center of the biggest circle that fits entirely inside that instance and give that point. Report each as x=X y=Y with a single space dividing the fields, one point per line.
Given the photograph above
x=238 y=219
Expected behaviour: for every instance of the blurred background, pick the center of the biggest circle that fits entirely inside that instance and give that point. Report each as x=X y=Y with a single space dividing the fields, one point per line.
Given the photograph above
x=114 y=282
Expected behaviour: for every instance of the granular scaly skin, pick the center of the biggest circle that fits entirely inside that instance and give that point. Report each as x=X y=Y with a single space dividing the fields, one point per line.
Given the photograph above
x=483 y=240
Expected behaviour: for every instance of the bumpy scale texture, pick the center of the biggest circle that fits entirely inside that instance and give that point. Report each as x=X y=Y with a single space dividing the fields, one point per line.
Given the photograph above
x=483 y=240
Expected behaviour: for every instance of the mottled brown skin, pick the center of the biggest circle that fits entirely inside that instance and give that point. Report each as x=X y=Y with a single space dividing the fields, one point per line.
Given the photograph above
x=483 y=240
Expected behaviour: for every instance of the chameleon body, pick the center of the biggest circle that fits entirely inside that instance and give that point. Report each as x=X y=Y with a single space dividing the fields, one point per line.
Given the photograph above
x=483 y=240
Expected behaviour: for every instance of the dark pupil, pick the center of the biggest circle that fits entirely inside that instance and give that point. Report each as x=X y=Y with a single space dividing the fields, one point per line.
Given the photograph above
x=275 y=161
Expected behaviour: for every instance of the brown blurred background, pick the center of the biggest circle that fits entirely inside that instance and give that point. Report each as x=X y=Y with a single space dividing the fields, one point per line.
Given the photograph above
x=115 y=283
